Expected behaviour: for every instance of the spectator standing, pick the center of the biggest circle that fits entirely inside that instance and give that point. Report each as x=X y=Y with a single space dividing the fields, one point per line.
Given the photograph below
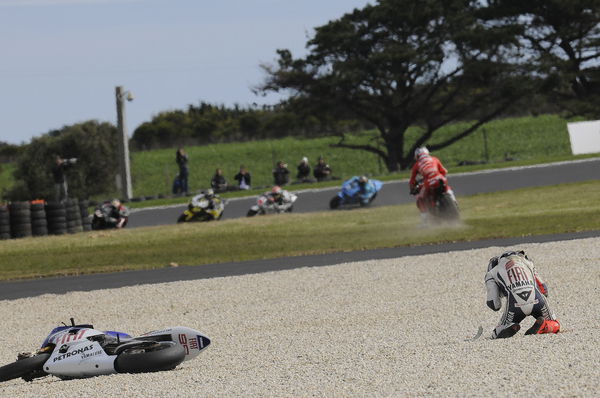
x=303 y=170
x=61 y=188
x=322 y=170
x=243 y=178
x=218 y=182
x=181 y=158
x=281 y=174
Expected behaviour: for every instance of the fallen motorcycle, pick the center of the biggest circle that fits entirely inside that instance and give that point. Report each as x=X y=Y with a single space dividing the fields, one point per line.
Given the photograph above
x=351 y=193
x=203 y=209
x=80 y=351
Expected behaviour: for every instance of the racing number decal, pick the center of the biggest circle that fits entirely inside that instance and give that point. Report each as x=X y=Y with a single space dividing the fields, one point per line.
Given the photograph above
x=183 y=342
x=188 y=344
x=70 y=337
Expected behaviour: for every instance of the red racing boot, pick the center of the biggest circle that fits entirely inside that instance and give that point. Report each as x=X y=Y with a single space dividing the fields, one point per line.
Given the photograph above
x=542 y=326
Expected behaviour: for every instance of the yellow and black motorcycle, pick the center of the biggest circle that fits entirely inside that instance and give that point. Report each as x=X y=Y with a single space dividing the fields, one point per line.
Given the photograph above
x=203 y=207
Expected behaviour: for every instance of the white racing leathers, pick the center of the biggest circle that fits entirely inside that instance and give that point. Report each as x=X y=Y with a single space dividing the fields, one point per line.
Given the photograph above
x=513 y=276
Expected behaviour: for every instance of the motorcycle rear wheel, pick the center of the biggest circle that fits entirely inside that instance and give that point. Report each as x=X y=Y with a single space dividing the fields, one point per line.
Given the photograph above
x=448 y=208
x=164 y=355
x=23 y=367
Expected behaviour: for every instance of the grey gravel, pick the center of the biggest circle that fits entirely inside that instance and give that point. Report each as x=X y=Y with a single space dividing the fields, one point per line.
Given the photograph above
x=375 y=328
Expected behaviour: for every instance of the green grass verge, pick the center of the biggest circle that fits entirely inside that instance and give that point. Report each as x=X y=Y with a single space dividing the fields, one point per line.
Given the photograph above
x=556 y=209
x=537 y=139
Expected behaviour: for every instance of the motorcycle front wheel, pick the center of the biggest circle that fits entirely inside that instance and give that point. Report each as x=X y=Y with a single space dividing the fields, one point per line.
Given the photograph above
x=251 y=213
x=23 y=367
x=335 y=202
x=181 y=218
x=164 y=355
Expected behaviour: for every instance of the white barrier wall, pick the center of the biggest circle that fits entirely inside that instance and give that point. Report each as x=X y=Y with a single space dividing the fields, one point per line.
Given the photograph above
x=585 y=137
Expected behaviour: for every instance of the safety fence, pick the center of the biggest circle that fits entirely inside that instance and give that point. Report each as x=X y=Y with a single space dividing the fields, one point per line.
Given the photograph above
x=39 y=218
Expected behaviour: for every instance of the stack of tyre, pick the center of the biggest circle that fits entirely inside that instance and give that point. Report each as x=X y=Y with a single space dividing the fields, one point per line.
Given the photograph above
x=86 y=220
x=20 y=219
x=39 y=225
x=39 y=218
x=56 y=215
x=4 y=222
x=73 y=216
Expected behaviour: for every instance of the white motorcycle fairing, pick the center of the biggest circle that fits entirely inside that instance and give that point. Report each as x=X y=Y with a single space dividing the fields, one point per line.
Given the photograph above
x=81 y=358
x=81 y=351
x=192 y=341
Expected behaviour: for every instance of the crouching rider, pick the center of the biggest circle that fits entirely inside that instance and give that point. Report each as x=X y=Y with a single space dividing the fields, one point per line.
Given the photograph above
x=513 y=275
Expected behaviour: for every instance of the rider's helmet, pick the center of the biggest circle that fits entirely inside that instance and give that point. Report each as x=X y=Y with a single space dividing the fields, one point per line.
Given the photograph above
x=116 y=203
x=514 y=253
x=275 y=193
x=362 y=180
x=422 y=151
x=492 y=263
x=494 y=260
x=210 y=193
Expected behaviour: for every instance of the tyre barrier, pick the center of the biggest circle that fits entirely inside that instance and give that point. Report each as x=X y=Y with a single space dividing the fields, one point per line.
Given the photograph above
x=4 y=223
x=39 y=224
x=20 y=219
x=56 y=216
x=73 y=216
x=39 y=218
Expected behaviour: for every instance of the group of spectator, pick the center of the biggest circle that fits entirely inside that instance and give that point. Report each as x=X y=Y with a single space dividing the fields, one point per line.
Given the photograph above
x=321 y=172
x=281 y=175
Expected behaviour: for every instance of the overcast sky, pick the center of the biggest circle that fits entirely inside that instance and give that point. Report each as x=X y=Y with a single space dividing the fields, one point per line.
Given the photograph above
x=61 y=59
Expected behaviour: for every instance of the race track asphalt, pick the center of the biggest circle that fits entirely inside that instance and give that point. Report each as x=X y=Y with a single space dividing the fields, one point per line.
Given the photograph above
x=317 y=200
x=397 y=192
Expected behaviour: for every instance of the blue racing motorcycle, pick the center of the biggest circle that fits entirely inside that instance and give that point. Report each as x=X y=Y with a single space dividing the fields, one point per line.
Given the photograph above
x=356 y=191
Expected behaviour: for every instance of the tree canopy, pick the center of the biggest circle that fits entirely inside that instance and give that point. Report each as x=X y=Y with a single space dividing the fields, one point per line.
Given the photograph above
x=426 y=63
x=562 y=43
x=206 y=123
x=94 y=144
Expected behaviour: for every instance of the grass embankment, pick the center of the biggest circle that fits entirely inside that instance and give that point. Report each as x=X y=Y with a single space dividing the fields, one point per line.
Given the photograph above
x=526 y=139
x=557 y=209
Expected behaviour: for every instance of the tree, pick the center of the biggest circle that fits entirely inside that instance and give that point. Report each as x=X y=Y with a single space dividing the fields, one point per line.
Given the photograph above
x=94 y=144
x=563 y=43
x=402 y=63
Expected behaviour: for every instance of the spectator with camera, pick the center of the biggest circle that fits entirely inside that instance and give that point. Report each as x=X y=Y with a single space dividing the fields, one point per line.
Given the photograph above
x=322 y=171
x=61 y=188
x=281 y=174
x=218 y=182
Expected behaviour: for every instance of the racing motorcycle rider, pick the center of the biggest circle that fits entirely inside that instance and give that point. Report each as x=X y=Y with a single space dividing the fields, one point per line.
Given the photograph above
x=366 y=189
x=280 y=198
x=513 y=275
x=115 y=213
x=208 y=195
x=434 y=174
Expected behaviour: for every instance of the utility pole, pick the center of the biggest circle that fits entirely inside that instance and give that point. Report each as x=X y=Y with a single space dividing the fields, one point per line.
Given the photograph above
x=124 y=170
